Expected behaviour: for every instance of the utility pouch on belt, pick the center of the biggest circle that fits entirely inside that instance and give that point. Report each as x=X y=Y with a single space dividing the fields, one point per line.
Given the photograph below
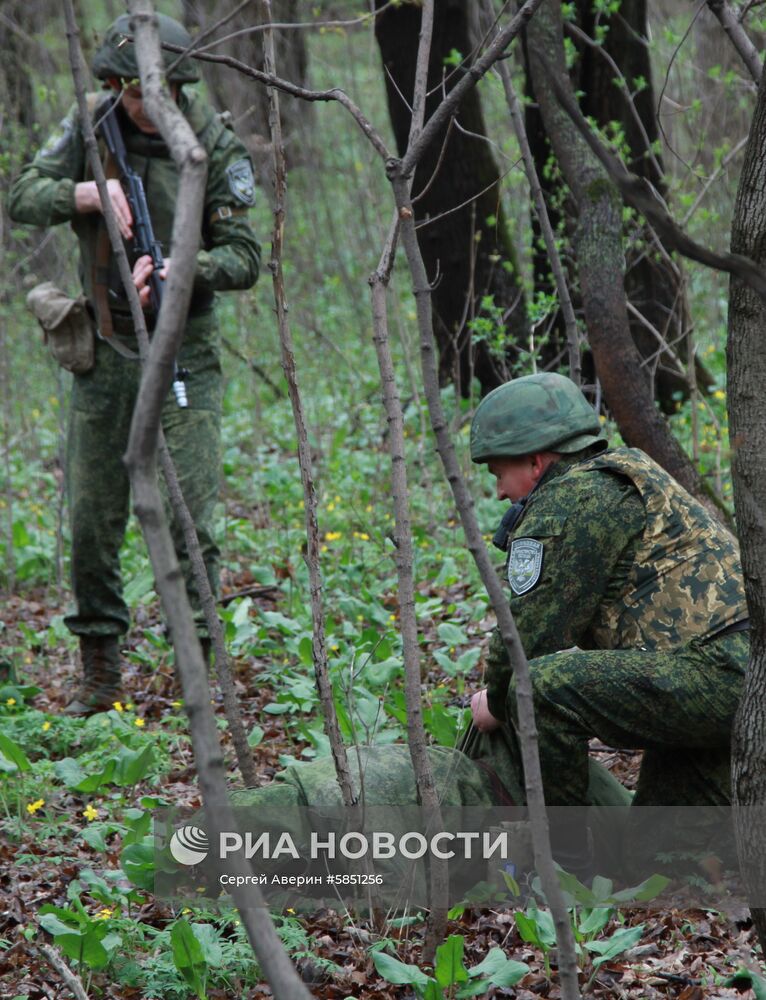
x=67 y=326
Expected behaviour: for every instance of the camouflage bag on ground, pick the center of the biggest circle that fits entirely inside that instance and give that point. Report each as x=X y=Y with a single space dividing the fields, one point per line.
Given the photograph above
x=67 y=326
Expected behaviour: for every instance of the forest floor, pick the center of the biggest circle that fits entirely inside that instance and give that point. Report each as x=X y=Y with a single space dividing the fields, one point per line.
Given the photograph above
x=681 y=954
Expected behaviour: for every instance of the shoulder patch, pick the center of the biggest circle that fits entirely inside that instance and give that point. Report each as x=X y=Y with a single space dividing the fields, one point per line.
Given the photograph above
x=241 y=181
x=525 y=564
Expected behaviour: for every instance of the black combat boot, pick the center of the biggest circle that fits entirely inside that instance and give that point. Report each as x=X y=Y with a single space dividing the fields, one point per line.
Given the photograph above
x=101 y=683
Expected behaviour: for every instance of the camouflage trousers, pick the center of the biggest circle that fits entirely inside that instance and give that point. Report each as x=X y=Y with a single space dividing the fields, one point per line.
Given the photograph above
x=98 y=487
x=678 y=707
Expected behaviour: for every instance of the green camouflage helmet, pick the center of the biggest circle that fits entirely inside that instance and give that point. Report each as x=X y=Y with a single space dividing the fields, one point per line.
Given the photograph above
x=544 y=412
x=117 y=57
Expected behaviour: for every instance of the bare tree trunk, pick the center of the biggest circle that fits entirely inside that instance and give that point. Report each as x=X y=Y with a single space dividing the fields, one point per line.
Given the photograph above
x=416 y=736
x=462 y=229
x=600 y=261
x=747 y=410
x=156 y=378
x=615 y=78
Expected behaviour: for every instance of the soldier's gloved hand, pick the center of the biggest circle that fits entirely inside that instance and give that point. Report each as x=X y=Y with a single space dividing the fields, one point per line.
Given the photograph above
x=483 y=719
x=87 y=199
x=142 y=271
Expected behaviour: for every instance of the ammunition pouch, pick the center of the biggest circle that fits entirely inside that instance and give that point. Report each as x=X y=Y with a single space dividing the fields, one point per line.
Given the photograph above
x=67 y=326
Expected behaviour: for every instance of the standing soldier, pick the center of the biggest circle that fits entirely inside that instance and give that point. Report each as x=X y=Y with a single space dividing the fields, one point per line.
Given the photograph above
x=58 y=187
x=607 y=553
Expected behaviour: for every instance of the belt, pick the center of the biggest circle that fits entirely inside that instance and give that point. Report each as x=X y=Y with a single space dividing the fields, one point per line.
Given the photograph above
x=743 y=625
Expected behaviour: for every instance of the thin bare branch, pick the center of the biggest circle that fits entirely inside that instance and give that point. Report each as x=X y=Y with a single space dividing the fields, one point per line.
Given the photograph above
x=335 y=94
x=549 y=237
x=72 y=981
x=473 y=74
x=639 y=195
x=477 y=548
x=738 y=37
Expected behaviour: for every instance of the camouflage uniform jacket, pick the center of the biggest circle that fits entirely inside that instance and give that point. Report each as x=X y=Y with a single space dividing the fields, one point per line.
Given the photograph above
x=44 y=195
x=611 y=553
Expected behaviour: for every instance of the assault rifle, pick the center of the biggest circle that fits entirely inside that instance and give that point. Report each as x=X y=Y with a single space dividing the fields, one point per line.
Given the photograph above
x=144 y=240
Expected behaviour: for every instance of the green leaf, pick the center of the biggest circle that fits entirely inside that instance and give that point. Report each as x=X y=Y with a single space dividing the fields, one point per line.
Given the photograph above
x=55 y=926
x=601 y=888
x=188 y=956
x=619 y=942
x=306 y=651
x=473 y=989
x=256 y=736
x=274 y=709
x=538 y=925
x=212 y=952
x=499 y=969
x=595 y=920
x=74 y=777
x=510 y=974
x=433 y=991
x=743 y=978
x=449 y=968
x=13 y=753
x=451 y=634
x=648 y=889
x=137 y=861
x=396 y=972
x=131 y=766
x=284 y=624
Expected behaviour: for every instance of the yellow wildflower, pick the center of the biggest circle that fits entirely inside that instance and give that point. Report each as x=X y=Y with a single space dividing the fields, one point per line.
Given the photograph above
x=176 y=704
x=104 y=914
x=46 y=726
x=32 y=807
x=330 y=507
x=719 y=394
x=140 y=723
x=333 y=536
x=117 y=706
x=90 y=813
x=363 y=535
x=129 y=706
x=10 y=701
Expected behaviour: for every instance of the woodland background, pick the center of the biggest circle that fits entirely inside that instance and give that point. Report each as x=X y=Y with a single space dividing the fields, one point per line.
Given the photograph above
x=687 y=87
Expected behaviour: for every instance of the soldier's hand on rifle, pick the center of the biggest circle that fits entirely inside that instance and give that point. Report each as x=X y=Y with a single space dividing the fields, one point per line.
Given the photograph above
x=483 y=719
x=142 y=271
x=87 y=199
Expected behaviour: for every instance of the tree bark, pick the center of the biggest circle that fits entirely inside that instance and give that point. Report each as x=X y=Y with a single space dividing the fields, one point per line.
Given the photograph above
x=463 y=233
x=747 y=427
x=600 y=262
x=653 y=281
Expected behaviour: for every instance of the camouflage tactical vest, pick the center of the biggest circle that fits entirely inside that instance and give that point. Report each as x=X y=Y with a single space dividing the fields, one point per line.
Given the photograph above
x=686 y=579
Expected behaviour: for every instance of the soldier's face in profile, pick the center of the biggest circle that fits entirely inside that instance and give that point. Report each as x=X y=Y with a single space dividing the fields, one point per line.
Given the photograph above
x=515 y=477
x=133 y=103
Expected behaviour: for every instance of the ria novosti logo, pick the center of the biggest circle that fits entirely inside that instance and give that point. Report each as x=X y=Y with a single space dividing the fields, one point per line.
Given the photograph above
x=189 y=845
